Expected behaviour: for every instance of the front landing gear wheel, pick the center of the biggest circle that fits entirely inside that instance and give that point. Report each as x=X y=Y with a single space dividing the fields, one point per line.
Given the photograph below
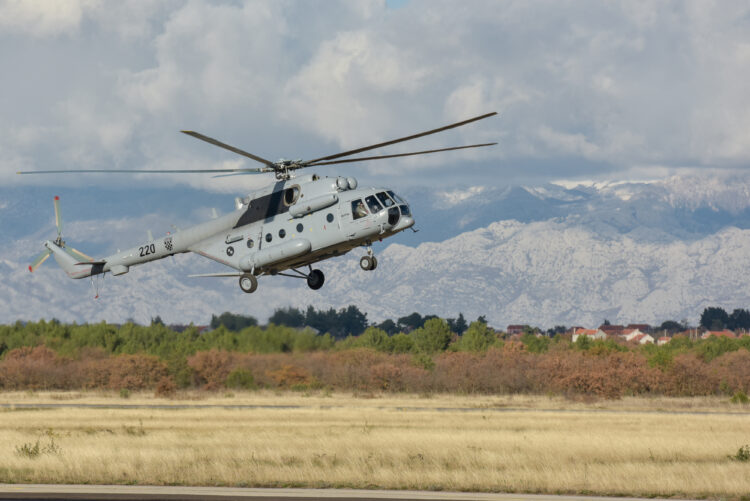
x=368 y=263
x=248 y=283
x=315 y=279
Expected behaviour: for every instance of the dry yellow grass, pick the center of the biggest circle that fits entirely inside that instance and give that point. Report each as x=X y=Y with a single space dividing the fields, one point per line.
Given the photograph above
x=394 y=442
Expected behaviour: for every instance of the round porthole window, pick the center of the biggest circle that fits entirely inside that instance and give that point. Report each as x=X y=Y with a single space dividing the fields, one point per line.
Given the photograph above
x=300 y=228
x=269 y=237
x=329 y=217
x=282 y=233
x=250 y=243
x=230 y=251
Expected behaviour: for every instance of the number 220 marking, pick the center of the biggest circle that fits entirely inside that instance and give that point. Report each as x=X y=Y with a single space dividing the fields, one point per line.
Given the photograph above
x=147 y=249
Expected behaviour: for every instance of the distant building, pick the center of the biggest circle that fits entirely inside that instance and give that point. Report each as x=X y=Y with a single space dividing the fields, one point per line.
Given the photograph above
x=612 y=330
x=592 y=334
x=645 y=328
x=663 y=340
x=724 y=333
x=515 y=329
x=631 y=334
x=643 y=339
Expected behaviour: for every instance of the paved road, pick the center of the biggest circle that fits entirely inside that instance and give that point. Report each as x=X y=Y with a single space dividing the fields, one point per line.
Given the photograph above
x=397 y=408
x=149 y=493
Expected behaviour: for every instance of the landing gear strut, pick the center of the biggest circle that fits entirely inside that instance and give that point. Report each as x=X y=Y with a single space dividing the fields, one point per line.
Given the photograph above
x=315 y=279
x=248 y=283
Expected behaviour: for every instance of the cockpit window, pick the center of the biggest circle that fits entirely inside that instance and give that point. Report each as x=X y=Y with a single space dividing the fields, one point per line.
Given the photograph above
x=385 y=199
x=358 y=209
x=397 y=198
x=404 y=209
x=373 y=204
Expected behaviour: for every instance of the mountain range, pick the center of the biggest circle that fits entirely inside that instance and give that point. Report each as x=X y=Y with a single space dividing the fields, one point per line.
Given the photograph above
x=571 y=253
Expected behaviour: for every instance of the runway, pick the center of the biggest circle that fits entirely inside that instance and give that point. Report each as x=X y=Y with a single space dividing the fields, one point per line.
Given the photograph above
x=152 y=493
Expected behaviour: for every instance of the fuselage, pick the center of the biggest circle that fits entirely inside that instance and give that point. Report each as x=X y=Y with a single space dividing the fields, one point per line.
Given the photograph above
x=293 y=223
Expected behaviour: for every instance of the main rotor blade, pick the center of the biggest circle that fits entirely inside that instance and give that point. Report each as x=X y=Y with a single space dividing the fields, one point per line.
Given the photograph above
x=215 y=142
x=58 y=216
x=145 y=171
x=362 y=159
x=40 y=259
x=394 y=141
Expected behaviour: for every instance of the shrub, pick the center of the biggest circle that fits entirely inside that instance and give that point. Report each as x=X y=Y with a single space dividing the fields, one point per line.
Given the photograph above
x=166 y=387
x=740 y=398
x=240 y=379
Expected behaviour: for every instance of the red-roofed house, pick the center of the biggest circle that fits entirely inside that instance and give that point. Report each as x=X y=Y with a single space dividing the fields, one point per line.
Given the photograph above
x=515 y=329
x=630 y=334
x=663 y=340
x=590 y=333
x=724 y=333
x=643 y=339
x=641 y=327
x=611 y=330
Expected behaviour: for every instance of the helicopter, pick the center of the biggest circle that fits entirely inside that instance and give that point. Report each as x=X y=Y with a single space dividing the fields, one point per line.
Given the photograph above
x=282 y=229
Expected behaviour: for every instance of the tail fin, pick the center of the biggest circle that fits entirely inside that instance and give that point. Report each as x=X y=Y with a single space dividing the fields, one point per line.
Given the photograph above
x=75 y=263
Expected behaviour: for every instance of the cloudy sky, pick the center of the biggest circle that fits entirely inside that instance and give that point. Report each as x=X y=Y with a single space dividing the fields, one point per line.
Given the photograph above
x=608 y=90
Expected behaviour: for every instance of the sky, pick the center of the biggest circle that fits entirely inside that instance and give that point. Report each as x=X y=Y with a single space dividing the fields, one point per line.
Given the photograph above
x=625 y=90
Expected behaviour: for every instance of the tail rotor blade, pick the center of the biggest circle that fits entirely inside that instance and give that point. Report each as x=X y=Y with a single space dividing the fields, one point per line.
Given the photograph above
x=58 y=216
x=39 y=260
x=77 y=254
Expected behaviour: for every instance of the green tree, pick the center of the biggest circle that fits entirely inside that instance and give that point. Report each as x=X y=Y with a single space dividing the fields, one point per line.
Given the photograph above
x=291 y=317
x=232 y=322
x=739 y=319
x=433 y=336
x=478 y=337
x=458 y=325
x=714 y=318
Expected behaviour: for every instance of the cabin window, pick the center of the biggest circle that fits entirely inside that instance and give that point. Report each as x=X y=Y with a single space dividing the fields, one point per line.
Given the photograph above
x=300 y=228
x=373 y=204
x=329 y=217
x=291 y=195
x=250 y=243
x=358 y=209
x=282 y=233
x=269 y=237
x=385 y=199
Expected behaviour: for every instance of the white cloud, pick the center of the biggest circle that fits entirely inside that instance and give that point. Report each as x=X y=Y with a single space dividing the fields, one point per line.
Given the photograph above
x=620 y=85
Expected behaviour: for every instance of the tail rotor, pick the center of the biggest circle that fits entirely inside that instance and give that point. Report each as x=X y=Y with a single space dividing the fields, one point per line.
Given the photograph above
x=59 y=242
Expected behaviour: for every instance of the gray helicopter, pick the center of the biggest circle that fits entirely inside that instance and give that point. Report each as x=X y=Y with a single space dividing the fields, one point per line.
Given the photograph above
x=279 y=230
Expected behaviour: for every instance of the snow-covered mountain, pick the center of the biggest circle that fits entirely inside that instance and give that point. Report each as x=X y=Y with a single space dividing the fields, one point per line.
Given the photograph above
x=553 y=254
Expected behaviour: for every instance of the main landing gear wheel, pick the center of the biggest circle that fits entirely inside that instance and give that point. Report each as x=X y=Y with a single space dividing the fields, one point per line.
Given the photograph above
x=368 y=263
x=315 y=279
x=248 y=283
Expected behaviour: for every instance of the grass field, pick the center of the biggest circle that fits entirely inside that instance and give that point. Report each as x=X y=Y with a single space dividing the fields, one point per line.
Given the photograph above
x=633 y=446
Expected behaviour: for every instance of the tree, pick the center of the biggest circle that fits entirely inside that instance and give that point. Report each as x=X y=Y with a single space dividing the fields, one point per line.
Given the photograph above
x=458 y=325
x=232 y=322
x=671 y=326
x=410 y=322
x=389 y=326
x=434 y=336
x=739 y=319
x=714 y=318
x=291 y=317
x=478 y=337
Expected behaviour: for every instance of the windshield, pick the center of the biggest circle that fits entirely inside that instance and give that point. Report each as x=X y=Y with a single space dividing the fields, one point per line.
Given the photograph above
x=397 y=198
x=373 y=204
x=358 y=209
x=385 y=199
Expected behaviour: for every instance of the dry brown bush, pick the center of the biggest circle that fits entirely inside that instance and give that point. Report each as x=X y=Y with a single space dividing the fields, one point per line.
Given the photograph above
x=733 y=369
x=211 y=368
x=690 y=376
x=33 y=368
x=135 y=372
